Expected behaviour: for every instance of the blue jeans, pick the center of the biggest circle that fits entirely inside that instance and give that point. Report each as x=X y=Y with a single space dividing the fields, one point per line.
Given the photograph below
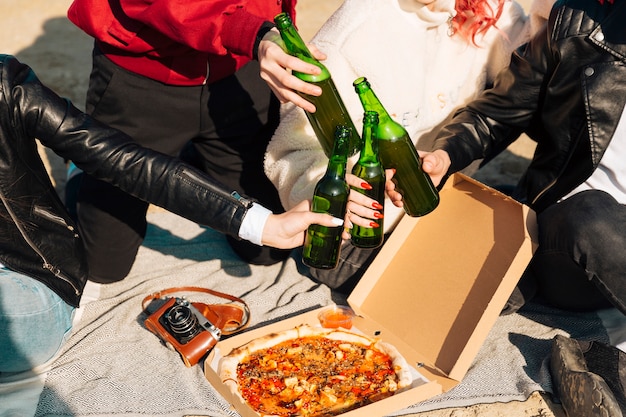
x=34 y=322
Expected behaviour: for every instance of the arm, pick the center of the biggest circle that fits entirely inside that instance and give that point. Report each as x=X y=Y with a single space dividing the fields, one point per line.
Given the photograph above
x=273 y=61
x=217 y=26
x=294 y=160
x=112 y=156
x=240 y=29
x=499 y=115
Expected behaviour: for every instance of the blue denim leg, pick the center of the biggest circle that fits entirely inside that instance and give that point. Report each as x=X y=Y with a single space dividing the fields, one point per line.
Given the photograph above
x=580 y=262
x=34 y=322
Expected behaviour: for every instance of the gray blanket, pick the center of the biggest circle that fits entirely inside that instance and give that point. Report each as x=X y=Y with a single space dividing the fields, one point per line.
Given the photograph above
x=113 y=366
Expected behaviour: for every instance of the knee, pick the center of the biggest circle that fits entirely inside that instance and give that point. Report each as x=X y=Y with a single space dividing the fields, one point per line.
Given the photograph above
x=589 y=213
x=28 y=341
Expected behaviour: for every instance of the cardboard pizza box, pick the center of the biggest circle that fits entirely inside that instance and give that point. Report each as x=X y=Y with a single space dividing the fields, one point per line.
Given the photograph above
x=434 y=291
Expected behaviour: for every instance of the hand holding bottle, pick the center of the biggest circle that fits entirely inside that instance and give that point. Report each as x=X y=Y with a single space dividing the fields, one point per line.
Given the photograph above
x=436 y=164
x=329 y=110
x=286 y=230
x=275 y=64
x=361 y=209
x=323 y=244
x=397 y=151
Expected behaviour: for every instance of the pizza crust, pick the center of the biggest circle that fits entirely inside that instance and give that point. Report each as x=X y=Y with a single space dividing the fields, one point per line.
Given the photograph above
x=227 y=368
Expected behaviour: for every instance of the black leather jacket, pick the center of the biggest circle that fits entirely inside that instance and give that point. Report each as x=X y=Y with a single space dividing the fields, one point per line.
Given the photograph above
x=566 y=89
x=37 y=236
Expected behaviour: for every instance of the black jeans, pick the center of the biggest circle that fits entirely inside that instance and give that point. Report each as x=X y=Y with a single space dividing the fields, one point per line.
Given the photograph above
x=580 y=263
x=227 y=123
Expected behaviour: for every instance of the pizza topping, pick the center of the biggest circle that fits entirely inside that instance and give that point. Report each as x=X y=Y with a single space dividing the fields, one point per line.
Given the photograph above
x=315 y=376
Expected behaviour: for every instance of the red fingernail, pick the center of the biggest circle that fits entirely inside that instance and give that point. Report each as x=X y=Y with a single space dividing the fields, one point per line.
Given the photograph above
x=377 y=205
x=366 y=186
x=379 y=215
x=374 y=225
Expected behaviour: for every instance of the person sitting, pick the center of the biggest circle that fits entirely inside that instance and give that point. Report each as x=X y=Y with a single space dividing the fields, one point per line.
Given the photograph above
x=566 y=89
x=423 y=59
x=43 y=267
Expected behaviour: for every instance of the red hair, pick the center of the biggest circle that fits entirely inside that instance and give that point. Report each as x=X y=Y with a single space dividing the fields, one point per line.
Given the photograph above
x=475 y=17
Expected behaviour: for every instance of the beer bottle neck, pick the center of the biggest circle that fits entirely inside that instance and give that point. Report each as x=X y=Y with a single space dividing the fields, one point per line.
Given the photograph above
x=369 y=150
x=371 y=103
x=336 y=168
x=293 y=41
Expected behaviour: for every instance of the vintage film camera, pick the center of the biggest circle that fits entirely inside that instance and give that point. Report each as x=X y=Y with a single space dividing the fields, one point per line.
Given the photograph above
x=193 y=329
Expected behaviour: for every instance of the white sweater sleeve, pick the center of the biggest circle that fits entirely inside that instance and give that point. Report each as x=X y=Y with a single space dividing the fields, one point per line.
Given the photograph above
x=294 y=160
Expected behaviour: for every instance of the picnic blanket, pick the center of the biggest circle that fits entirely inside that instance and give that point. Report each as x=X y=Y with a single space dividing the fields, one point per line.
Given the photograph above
x=113 y=366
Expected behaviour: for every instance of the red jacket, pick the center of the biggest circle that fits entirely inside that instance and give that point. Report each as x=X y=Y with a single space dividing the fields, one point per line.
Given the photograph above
x=172 y=41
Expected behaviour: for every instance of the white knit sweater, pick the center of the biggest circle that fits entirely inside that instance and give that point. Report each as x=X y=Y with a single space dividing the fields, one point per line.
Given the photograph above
x=419 y=72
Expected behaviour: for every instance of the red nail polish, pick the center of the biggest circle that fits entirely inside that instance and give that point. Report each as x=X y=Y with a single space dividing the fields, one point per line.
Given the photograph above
x=366 y=186
x=374 y=225
x=377 y=205
x=379 y=215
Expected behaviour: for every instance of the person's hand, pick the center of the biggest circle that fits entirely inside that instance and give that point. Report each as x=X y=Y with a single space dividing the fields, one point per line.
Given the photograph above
x=390 y=188
x=435 y=164
x=275 y=64
x=286 y=230
x=361 y=209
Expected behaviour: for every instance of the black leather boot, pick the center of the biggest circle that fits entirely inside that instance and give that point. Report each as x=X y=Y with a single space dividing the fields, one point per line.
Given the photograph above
x=584 y=392
x=610 y=363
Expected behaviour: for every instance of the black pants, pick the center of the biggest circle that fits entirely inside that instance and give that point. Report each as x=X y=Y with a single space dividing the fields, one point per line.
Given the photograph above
x=223 y=127
x=353 y=263
x=580 y=263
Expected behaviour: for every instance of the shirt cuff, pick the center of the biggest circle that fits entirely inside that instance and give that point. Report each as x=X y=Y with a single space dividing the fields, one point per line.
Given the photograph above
x=253 y=223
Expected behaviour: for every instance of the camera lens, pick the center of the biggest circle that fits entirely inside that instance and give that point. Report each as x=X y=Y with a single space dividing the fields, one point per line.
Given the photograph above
x=182 y=322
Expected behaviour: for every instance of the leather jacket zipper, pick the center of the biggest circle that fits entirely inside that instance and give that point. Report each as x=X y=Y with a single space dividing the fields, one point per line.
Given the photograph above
x=545 y=190
x=46 y=265
x=52 y=217
x=235 y=195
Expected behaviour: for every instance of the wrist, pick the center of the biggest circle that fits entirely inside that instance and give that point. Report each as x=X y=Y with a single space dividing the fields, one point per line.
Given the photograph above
x=253 y=224
x=263 y=30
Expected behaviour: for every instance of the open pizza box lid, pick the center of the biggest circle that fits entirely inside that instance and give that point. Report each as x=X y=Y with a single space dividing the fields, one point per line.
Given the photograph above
x=434 y=291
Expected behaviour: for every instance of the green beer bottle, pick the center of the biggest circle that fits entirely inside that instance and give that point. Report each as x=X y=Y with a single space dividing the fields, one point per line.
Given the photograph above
x=370 y=169
x=397 y=151
x=322 y=243
x=330 y=110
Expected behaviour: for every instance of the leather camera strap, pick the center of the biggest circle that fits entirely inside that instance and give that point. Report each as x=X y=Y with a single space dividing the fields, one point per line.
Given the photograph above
x=229 y=318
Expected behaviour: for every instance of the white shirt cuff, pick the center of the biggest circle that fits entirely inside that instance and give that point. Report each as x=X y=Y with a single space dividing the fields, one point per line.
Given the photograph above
x=253 y=223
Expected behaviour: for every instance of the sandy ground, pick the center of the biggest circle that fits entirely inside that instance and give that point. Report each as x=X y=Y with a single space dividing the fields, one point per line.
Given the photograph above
x=39 y=34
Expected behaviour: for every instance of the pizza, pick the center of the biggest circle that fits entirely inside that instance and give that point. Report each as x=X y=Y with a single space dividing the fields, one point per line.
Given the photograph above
x=310 y=371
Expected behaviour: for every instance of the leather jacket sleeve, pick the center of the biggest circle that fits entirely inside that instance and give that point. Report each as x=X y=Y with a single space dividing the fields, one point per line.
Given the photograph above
x=494 y=120
x=562 y=90
x=111 y=156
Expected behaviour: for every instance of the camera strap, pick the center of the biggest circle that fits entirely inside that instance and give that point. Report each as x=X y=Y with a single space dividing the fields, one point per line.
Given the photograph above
x=229 y=318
